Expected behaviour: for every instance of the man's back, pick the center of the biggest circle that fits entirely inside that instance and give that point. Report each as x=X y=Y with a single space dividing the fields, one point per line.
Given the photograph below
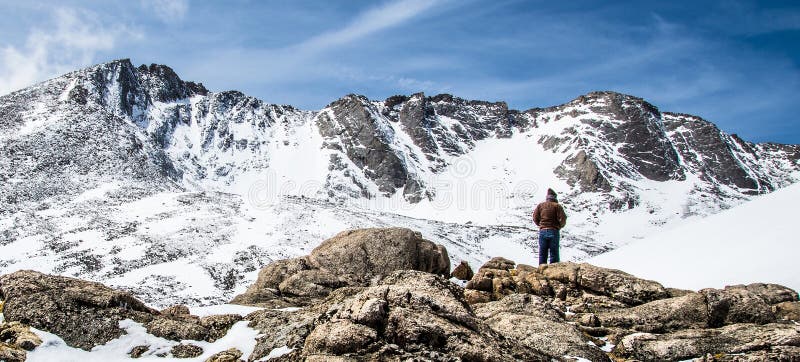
x=549 y=215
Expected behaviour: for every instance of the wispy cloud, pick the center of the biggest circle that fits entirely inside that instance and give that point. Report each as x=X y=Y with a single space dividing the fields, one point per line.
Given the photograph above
x=167 y=10
x=73 y=41
x=367 y=23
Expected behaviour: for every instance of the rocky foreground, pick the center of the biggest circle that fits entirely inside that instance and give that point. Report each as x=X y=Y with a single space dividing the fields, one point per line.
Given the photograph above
x=389 y=294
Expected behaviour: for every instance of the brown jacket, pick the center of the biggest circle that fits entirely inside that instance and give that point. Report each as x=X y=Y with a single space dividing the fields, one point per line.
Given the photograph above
x=549 y=215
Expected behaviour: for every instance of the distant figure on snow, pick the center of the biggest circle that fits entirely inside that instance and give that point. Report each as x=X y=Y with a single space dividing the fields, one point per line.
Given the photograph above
x=549 y=216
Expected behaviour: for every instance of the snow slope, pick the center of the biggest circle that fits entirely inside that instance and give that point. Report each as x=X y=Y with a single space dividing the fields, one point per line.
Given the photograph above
x=753 y=242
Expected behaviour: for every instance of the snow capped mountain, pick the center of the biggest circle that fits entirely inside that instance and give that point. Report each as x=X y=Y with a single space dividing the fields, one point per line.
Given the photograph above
x=133 y=176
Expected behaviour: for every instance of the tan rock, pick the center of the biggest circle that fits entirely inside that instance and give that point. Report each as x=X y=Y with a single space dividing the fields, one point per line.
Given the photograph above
x=229 y=355
x=462 y=272
x=366 y=253
x=11 y=353
x=84 y=314
x=473 y=296
x=186 y=351
x=696 y=343
x=176 y=310
x=787 y=310
x=339 y=337
x=19 y=335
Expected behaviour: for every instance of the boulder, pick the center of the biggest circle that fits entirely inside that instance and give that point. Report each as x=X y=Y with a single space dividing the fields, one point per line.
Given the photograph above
x=84 y=314
x=688 y=311
x=176 y=310
x=176 y=330
x=339 y=337
x=366 y=253
x=351 y=258
x=312 y=283
x=696 y=343
x=228 y=355
x=462 y=272
x=265 y=288
x=534 y=323
x=787 y=311
x=186 y=351
x=770 y=293
x=12 y=353
x=616 y=284
x=138 y=351
x=737 y=304
x=494 y=277
x=185 y=326
x=19 y=335
x=218 y=325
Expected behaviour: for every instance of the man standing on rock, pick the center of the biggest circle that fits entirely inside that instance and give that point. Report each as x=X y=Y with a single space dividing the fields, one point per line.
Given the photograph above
x=549 y=216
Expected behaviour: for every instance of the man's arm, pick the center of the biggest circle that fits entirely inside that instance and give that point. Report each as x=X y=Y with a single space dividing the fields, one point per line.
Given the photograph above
x=562 y=216
x=536 y=216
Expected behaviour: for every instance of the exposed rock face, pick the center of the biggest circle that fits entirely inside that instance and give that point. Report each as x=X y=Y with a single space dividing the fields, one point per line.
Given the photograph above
x=689 y=311
x=19 y=335
x=365 y=139
x=186 y=351
x=184 y=326
x=690 y=343
x=350 y=258
x=570 y=282
x=407 y=315
x=11 y=353
x=83 y=313
x=534 y=323
x=787 y=310
x=229 y=355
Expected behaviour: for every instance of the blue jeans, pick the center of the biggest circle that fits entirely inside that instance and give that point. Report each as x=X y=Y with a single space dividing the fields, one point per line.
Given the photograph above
x=548 y=243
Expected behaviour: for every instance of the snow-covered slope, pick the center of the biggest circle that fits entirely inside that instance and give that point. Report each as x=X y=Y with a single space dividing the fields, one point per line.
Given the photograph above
x=753 y=242
x=133 y=176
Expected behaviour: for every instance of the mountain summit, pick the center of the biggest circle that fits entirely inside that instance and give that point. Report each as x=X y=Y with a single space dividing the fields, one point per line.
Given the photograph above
x=137 y=177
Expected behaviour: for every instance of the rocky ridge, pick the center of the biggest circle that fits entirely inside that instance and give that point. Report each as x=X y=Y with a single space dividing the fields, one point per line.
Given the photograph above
x=561 y=311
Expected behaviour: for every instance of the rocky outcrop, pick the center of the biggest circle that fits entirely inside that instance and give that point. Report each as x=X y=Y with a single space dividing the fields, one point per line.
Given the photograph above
x=83 y=313
x=382 y=310
x=406 y=315
x=574 y=284
x=738 y=339
x=185 y=326
x=351 y=258
x=534 y=323
x=186 y=351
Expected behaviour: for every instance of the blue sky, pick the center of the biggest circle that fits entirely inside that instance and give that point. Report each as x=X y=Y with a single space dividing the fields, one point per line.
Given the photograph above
x=735 y=63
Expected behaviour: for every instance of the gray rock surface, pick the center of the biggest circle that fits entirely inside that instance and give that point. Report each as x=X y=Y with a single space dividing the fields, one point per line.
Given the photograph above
x=83 y=313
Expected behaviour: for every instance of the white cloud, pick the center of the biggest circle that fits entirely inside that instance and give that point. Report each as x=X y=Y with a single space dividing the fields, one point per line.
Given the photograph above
x=167 y=10
x=74 y=40
x=369 y=22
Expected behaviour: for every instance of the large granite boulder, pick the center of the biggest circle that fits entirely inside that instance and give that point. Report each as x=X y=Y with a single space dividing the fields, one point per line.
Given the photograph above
x=351 y=258
x=84 y=314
